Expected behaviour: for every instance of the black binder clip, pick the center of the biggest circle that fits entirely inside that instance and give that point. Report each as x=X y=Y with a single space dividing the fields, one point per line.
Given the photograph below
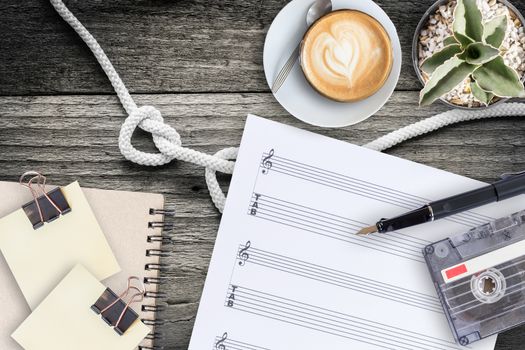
x=46 y=208
x=114 y=311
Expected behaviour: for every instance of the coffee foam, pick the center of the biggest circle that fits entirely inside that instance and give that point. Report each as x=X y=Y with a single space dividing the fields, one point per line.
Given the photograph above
x=346 y=55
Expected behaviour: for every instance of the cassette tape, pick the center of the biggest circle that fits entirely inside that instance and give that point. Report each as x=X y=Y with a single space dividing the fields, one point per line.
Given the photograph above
x=480 y=278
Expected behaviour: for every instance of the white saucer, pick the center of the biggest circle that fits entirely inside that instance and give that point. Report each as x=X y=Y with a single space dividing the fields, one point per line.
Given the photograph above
x=296 y=95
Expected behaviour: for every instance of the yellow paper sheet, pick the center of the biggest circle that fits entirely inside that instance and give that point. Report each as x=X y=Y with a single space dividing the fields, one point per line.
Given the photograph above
x=65 y=321
x=40 y=258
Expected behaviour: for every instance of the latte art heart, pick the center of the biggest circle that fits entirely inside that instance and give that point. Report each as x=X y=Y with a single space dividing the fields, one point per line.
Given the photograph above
x=338 y=57
x=346 y=55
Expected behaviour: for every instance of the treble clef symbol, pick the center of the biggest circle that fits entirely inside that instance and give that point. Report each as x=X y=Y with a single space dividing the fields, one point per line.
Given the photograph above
x=243 y=255
x=219 y=345
x=267 y=163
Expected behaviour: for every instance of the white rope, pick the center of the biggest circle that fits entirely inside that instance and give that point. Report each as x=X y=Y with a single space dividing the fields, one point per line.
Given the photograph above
x=453 y=116
x=147 y=118
x=168 y=142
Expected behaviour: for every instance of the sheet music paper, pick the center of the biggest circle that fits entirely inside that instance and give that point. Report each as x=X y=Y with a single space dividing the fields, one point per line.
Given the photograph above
x=287 y=271
x=40 y=258
x=65 y=321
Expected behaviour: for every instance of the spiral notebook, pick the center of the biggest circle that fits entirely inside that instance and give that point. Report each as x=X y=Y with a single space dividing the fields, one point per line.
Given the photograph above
x=132 y=223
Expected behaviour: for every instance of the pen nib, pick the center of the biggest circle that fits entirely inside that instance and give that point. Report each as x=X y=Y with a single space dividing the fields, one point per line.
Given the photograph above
x=367 y=230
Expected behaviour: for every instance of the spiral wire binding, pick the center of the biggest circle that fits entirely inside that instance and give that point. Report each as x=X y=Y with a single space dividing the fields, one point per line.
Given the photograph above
x=153 y=308
x=156 y=295
x=164 y=239
x=159 y=267
x=155 y=336
x=161 y=224
x=165 y=212
x=154 y=280
x=158 y=252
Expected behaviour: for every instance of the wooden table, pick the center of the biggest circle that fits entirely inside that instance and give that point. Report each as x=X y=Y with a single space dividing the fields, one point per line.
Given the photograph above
x=200 y=63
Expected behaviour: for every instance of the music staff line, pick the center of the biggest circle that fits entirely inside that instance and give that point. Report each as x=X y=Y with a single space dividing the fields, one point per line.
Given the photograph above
x=341 y=221
x=378 y=191
x=416 y=200
x=460 y=218
x=331 y=322
x=340 y=279
x=346 y=178
x=225 y=343
x=311 y=220
x=366 y=189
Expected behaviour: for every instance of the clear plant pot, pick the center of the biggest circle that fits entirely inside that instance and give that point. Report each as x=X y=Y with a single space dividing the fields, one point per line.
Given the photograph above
x=415 y=49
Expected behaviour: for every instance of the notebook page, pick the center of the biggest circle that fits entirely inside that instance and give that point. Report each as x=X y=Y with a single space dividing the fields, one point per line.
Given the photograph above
x=40 y=258
x=64 y=320
x=287 y=271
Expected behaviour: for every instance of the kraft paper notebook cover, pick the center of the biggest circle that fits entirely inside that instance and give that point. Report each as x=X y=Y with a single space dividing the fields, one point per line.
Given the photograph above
x=124 y=218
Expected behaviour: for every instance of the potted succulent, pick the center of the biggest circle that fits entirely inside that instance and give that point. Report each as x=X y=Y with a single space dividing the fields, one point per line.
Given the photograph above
x=470 y=53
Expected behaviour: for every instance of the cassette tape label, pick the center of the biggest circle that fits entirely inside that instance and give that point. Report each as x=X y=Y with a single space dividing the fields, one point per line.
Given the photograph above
x=483 y=262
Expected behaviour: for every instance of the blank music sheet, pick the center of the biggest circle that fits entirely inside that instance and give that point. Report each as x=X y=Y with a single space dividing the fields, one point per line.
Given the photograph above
x=287 y=270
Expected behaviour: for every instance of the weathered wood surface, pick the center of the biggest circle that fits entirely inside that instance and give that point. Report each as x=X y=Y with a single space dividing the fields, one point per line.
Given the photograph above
x=200 y=63
x=157 y=46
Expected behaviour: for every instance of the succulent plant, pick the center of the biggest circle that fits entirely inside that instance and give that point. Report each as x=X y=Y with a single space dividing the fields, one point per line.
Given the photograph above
x=472 y=51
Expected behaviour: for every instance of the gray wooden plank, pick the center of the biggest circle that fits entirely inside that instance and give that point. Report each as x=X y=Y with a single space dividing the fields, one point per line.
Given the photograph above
x=157 y=47
x=75 y=137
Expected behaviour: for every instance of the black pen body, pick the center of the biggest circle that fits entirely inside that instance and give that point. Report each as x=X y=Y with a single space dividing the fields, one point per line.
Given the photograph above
x=440 y=209
x=464 y=201
x=507 y=187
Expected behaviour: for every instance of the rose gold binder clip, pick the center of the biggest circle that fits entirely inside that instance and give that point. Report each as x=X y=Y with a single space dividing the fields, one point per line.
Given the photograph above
x=114 y=311
x=46 y=208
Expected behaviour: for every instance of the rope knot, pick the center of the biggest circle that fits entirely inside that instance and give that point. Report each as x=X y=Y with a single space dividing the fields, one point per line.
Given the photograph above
x=149 y=119
x=168 y=142
x=147 y=113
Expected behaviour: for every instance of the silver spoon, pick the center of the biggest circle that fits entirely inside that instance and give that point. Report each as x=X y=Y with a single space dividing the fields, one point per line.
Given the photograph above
x=318 y=9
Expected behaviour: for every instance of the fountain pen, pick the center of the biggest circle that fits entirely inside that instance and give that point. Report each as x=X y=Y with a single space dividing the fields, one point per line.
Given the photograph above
x=509 y=185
